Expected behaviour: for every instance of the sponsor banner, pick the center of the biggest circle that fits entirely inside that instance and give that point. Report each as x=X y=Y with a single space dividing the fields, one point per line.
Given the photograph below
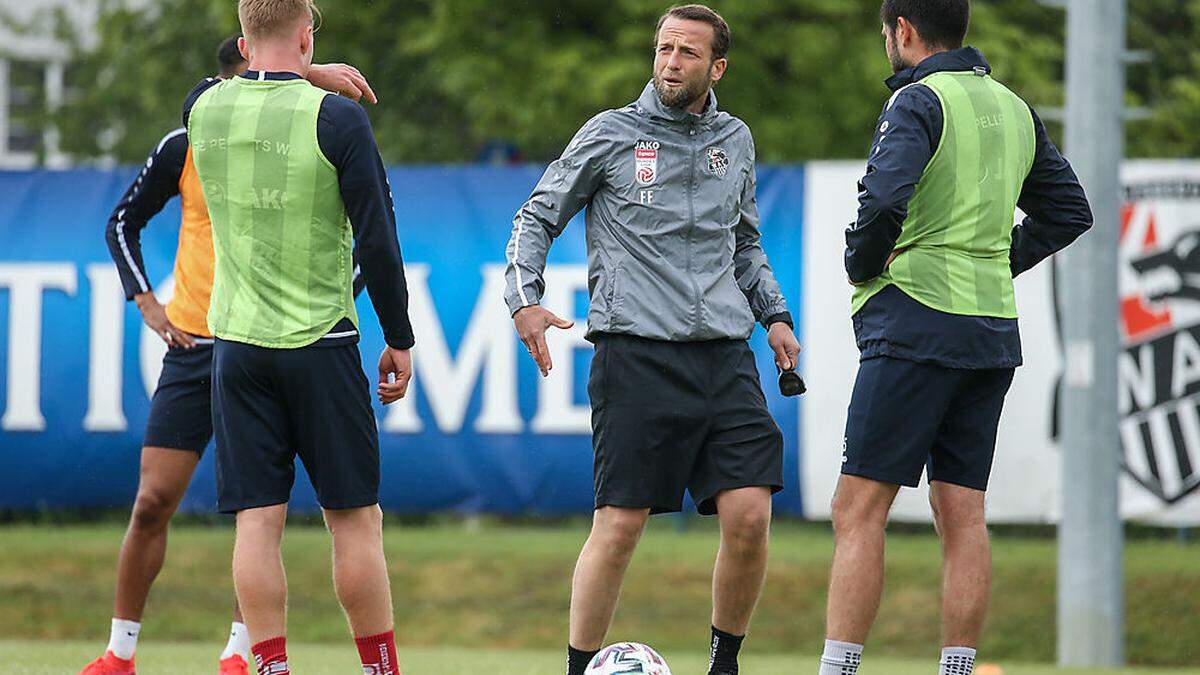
x=480 y=430
x=1159 y=369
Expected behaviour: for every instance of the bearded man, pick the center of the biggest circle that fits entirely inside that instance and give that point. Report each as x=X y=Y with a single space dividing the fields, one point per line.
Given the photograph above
x=678 y=279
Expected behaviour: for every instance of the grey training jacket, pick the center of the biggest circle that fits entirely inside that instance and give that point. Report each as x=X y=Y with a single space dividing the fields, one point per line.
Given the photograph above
x=672 y=225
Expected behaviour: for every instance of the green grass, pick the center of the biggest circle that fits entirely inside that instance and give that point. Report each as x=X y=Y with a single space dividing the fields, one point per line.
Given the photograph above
x=506 y=587
x=57 y=658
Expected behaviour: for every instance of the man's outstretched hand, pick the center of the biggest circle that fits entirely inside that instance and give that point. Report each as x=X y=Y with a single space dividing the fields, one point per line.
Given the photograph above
x=531 y=323
x=398 y=364
x=342 y=79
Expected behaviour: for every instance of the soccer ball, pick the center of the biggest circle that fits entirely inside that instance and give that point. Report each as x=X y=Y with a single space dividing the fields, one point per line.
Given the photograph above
x=628 y=657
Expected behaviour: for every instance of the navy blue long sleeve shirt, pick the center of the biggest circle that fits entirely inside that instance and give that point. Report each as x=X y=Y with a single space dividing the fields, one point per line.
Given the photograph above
x=345 y=137
x=909 y=131
x=155 y=185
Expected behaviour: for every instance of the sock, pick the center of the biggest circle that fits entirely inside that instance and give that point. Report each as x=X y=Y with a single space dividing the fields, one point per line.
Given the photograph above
x=723 y=658
x=122 y=641
x=957 y=661
x=239 y=641
x=270 y=656
x=578 y=660
x=841 y=658
x=378 y=653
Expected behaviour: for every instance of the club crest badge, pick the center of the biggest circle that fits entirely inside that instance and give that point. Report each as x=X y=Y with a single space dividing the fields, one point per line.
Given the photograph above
x=645 y=157
x=718 y=162
x=1159 y=276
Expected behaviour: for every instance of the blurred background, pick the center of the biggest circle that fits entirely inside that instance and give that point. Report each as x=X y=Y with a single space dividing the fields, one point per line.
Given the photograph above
x=487 y=467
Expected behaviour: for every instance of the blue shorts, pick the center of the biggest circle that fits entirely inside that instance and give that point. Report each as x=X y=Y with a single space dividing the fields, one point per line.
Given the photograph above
x=181 y=409
x=272 y=405
x=907 y=416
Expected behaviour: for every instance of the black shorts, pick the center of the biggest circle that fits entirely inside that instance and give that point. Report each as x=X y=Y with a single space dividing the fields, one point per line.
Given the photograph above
x=270 y=405
x=181 y=409
x=670 y=416
x=906 y=416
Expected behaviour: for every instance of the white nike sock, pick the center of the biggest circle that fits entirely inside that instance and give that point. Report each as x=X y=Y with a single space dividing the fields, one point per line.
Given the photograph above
x=239 y=642
x=957 y=661
x=122 y=641
x=840 y=658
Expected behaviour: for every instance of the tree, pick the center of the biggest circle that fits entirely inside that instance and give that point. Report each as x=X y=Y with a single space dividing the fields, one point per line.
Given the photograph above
x=453 y=75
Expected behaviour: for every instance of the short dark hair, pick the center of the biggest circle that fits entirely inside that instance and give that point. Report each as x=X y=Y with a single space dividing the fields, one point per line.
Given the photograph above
x=721 y=35
x=228 y=56
x=941 y=23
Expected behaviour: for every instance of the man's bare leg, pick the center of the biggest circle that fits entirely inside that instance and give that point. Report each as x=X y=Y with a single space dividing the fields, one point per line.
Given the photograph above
x=958 y=514
x=599 y=572
x=360 y=578
x=360 y=575
x=258 y=571
x=165 y=475
x=860 y=510
x=740 y=570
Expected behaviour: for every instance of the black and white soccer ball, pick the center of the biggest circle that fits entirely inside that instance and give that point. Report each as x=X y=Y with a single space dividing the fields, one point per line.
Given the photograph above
x=628 y=658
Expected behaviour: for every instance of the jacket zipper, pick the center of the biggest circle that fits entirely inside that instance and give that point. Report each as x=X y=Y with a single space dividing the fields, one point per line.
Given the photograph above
x=692 y=221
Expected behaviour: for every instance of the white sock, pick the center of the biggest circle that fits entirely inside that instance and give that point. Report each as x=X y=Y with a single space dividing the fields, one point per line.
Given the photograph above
x=957 y=661
x=840 y=658
x=122 y=641
x=239 y=641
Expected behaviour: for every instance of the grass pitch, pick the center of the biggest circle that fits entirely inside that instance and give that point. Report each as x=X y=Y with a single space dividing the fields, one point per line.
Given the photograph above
x=59 y=658
x=493 y=599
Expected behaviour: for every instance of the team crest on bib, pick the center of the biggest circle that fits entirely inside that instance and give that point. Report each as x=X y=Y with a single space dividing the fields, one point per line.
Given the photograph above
x=645 y=159
x=718 y=162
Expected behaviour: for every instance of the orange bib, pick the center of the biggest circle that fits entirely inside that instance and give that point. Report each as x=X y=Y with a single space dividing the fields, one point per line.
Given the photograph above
x=188 y=308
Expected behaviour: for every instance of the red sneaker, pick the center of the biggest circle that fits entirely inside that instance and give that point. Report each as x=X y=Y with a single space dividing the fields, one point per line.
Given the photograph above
x=109 y=664
x=234 y=665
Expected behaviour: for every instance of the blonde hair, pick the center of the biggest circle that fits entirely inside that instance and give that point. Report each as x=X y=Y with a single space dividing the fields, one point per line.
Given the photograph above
x=274 y=18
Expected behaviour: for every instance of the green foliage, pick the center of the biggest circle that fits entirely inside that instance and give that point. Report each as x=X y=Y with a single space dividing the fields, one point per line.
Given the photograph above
x=129 y=90
x=1168 y=30
x=453 y=75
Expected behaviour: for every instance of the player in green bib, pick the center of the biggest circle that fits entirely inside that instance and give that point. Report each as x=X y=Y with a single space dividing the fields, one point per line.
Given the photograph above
x=932 y=258
x=292 y=178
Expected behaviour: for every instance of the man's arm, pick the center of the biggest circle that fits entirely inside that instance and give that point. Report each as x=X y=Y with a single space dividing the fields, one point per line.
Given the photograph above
x=908 y=134
x=155 y=185
x=1056 y=206
x=757 y=280
x=346 y=140
x=565 y=188
x=754 y=275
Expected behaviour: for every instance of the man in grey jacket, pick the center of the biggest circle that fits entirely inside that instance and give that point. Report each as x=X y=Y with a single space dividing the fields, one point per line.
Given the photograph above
x=677 y=279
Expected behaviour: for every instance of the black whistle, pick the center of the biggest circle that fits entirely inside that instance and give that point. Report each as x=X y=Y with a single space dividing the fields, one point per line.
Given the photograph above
x=790 y=382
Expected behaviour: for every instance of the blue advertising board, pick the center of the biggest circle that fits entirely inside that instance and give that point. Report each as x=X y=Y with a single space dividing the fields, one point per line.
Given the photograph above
x=481 y=431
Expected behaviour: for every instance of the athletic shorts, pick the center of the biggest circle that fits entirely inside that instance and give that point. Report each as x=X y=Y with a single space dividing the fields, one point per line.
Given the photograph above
x=675 y=416
x=272 y=405
x=181 y=408
x=907 y=416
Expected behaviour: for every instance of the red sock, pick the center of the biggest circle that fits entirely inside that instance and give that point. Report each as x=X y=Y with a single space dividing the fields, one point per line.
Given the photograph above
x=378 y=654
x=270 y=656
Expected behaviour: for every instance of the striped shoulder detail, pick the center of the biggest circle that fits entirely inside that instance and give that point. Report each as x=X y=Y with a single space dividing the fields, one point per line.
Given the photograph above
x=892 y=101
x=167 y=139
